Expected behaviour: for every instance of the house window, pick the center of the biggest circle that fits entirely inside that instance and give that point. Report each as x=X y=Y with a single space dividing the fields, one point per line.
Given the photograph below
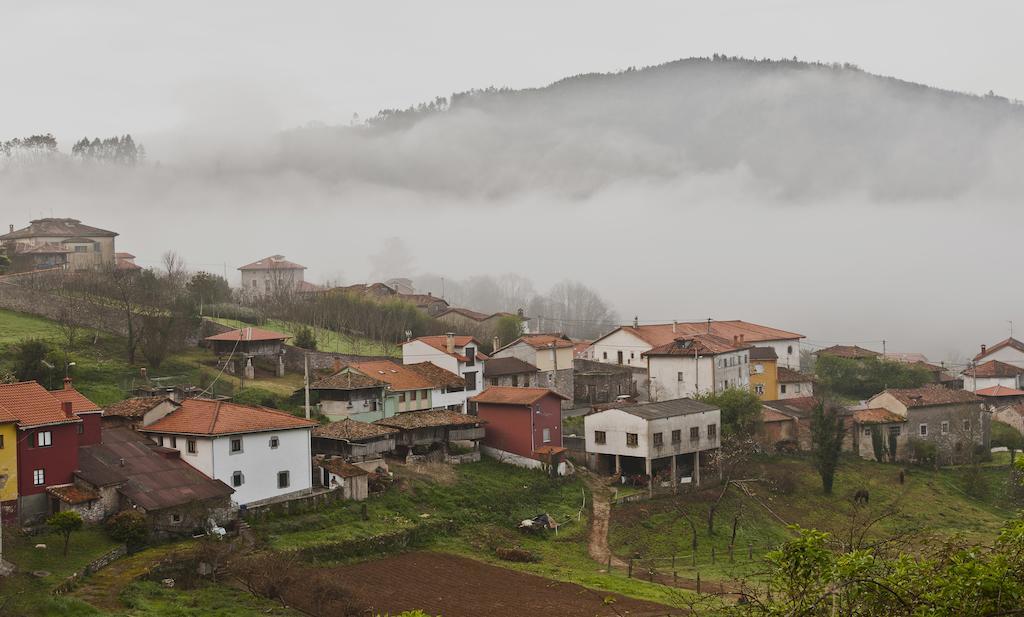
x=275 y=441
x=600 y=437
x=789 y=349
x=677 y=436
x=267 y=284
x=236 y=445
x=470 y=378
x=867 y=431
x=632 y=355
x=254 y=283
x=679 y=376
x=782 y=388
x=796 y=388
x=81 y=428
x=894 y=431
x=604 y=355
x=160 y=440
x=632 y=440
x=967 y=425
x=659 y=440
x=1 y=442
x=44 y=439
x=923 y=430
x=494 y=381
x=174 y=442
x=619 y=356
x=38 y=477
x=412 y=395
x=176 y=518
x=515 y=381
x=944 y=428
x=759 y=389
x=190 y=446
x=282 y=479
x=401 y=397
x=547 y=435
x=712 y=431
x=237 y=479
x=470 y=356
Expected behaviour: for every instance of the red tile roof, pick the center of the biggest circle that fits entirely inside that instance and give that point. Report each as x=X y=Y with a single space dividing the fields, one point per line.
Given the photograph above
x=999 y=391
x=29 y=404
x=876 y=415
x=1010 y=342
x=274 y=262
x=134 y=407
x=544 y=341
x=204 y=417
x=500 y=395
x=437 y=376
x=852 y=352
x=930 y=395
x=699 y=344
x=440 y=342
x=398 y=376
x=249 y=334
x=79 y=404
x=71 y=494
x=662 y=334
x=57 y=227
x=994 y=368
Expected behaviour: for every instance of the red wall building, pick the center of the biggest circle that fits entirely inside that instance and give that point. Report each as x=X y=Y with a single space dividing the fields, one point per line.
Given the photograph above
x=520 y=420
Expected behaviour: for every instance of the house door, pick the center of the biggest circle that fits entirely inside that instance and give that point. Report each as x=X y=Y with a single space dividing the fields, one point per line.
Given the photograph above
x=326 y=481
x=620 y=357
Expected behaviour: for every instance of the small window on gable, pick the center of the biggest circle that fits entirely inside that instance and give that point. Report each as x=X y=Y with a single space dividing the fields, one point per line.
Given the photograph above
x=923 y=430
x=236 y=445
x=274 y=442
x=944 y=428
x=967 y=424
x=176 y=518
x=604 y=355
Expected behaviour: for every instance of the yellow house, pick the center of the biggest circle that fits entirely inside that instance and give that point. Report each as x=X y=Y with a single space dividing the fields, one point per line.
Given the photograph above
x=764 y=373
x=8 y=460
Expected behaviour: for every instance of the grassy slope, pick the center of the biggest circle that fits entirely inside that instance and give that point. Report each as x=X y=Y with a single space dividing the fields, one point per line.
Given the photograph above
x=326 y=340
x=931 y=502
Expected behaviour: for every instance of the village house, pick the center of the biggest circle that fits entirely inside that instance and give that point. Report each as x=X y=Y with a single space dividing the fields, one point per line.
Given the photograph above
x=697 y=364
x=405 y=389
x=786 y=424
x=552 y=354
x=992 y=373
x=764 y=373
x=456 y=354
x=447 y=389
x=599 y=382
x=428 y=302
x=61 y=243
x=237 y=349
x=955 y=421
x=995 y=397
x=519 y=422
x=360 y=443
x=511 y=372
x=481 y=324
x=126 y=262
x=436 y=434
x=669 y=439
x=877 y=434
x=627 y=344
x=50 y=427
x=1012 y=414
x=335 y=473
x=1009 y=351
x=126 y=471
x=793 y=384
x=274 y=275
x=351 y=394
x=262 y=453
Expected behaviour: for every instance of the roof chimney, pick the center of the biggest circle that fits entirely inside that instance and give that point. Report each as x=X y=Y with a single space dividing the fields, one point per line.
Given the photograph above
x=67 y=383
x=709 y=325
x=636 y=322
x=496 y=343
x=66 y=408
x=449 y=342
x=11 y=227
x=675 y=326
x=120 y=462
x=983 y=348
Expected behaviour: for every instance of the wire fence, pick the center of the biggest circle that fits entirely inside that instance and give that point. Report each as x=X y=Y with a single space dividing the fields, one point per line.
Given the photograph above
x=684 y=570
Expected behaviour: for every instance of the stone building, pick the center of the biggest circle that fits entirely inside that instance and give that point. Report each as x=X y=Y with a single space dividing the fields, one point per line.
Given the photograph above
x=599 y=382
x=59 y=242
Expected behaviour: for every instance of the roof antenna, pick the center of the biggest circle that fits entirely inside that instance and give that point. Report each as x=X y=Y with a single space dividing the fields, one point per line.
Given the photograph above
x=1011 y=327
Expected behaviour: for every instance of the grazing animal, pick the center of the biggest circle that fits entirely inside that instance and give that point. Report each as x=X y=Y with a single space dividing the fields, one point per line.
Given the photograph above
x=861 y=496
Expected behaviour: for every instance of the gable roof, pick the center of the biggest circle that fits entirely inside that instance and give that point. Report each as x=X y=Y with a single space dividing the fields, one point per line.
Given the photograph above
x=410 y=420
x=497 y=367
x=349 y=429
x=847 y=351
x=340 y=467
x=475 y=316
x=503 y=395
x=152 y=477
x=398 y=376
x=666 y=409
x=662 y=334
x=350 y=379
x=994 y=368
x=763 y=353
x=57 y=227
x=1010 y=342
x=134 y=407
x=930 y=395
x=798 y=407
x=29 y=404
x=274 y=262
x=205 y=417
x=249 y=334
x=999 y=391
x=79 y=404
x=440 y=343
x=437 y=376
x=699 y=344
x=543 y=341
x=788 y=375
x=421 y=300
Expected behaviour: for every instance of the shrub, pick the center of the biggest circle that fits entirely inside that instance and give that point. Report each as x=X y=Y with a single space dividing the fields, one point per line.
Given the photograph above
x=129 y=526
x=923 y=452
x=783 y=480
x=304 y=338
x=30 y=360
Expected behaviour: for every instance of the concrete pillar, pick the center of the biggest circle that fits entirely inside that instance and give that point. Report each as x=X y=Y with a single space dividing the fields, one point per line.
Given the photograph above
x=696 y=468
x=248 y=371
x=675 y=478
x=618 y=467
x=280 y=365
x=650 y=477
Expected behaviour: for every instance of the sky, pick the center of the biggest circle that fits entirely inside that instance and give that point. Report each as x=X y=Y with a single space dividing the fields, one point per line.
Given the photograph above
x=192 y=80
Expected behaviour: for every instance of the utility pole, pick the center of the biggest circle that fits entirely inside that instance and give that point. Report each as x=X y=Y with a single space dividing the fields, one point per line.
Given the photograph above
x=883 y=348
x=306 y=366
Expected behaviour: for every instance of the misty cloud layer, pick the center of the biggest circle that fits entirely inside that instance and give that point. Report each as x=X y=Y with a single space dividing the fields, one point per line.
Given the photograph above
x=828 y=201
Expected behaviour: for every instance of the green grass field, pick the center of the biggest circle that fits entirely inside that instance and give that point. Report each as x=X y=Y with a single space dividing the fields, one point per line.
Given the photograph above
x=326 y=340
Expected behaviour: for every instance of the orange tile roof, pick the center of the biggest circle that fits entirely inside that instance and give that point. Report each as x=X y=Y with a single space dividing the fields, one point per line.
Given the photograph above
x=994 y=368
x=999 y=391
x=544 y=341
x=205 y=417
x=440 y=342
x=274 y=262
x=79 y=404
x=437 y=376
x=876 y=415
x=248 y=334
x=30 y=404
x=661 y=334
x=770 y=415
x=701 y=344
x=1010 y=342
x=398 y=376
x=501 y=395
x=930 y=395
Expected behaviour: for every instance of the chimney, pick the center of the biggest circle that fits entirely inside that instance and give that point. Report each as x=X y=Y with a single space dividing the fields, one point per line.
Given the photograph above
x=709 y=325
x=735 y=339
x=430 y=294
x=983 y=348
x=449 y=342
x=675 y=326
x=636 y=322
x=496 y=343
x=66 y=408
x=11 y=227
x=741 y=337
x=67 y=383
x=519 y=312
x=120 y=462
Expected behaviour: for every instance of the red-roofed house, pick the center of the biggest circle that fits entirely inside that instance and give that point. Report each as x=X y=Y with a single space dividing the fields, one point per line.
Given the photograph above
x=696 y=364
x=626 y=344
x=520 y=420
x=1010 y=351
x=262 y=453
x=993 y=373
x=50 y=428
x=272 y=275
x=456 y=354
x=552 y=354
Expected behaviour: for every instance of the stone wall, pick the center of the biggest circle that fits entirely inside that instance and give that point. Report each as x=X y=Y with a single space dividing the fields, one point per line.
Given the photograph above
x=600 y=382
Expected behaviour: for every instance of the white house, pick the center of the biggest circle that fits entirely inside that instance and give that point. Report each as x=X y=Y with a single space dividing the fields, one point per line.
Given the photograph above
x=667 y=438
x=259 y=452
x=1009 y=351
x=627 y=344
x=697 y=364
x=456 y=354
x=794 y=384
x=993 y=373
x=552 y=354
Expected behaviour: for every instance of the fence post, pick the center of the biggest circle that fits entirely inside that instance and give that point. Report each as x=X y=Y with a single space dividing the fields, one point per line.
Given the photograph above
x=673 y=561
x=750 y=551
x=698 y=581
x=629 y=573
x=712 y=554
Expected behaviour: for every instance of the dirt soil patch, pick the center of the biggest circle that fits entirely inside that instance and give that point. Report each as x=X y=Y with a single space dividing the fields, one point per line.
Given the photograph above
x=458 y=587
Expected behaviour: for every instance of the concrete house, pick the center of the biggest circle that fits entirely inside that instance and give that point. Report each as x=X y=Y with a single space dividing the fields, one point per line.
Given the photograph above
x=697 y=364
x=1012 y=415
x=447 y=390
x=670 y=439
x=877 y=434
x=793 y=384
x=954 y=420
x=262 y=453
x=274 y=274
x=520 y=421
x=992 y=373
x=627 y=344
x=552 y=354
x=786 y=424
x=600 y=382
x=59 y=242
x=511 y=372
x=456 y=354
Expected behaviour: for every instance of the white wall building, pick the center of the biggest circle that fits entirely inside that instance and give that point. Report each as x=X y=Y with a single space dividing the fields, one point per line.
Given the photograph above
x=553 y=356
x=261 y=453
x=993 y=373
x=1010 y=351
x=627 y=344
x=272 y=274
x=694 y=365
x=456 y=354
